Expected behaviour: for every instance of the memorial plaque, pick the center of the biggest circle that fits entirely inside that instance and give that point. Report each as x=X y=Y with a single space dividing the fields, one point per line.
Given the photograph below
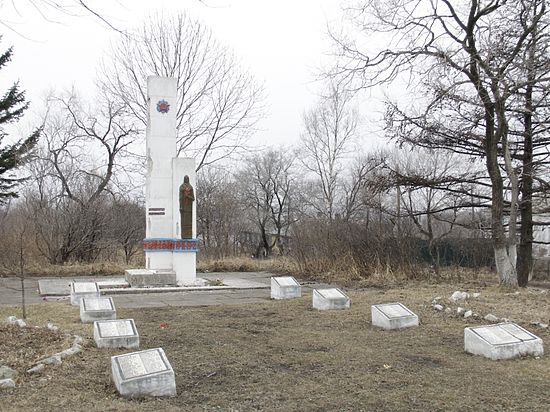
x=121 y=333
x=145 y=373
x=518 y=332
x=122 y=327
x=496 y=335
x=85 y=287
x=393 y=316
x=285 y=287
x=286 y=281
x=501 y=341
x=325 y=299
x=331 y=293
x=142 y=363
x=97 y=304
x=394 y=310
x=92 y=309
x=80 y=290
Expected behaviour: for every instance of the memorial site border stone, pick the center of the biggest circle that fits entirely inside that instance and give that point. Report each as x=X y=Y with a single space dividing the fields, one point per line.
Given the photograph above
x=120 y=333
x=327 y=299
x=285 y=287
x=502 y=341
x=92 y=309
x=142 y=374
x=393 y=316
x=83 y=289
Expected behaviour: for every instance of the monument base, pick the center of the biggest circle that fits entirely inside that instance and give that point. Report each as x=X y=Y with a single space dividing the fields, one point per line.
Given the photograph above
x=146 y=278
x=177 y=256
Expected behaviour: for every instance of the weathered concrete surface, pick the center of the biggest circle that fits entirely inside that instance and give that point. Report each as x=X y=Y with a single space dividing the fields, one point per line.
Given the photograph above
x=142 y=374
x=502 y=341
x=393 y=316
x=10 y=292
x=120 y=333
x=80 y=290
x=92 y=309
x=328 y=299
x=141 y=278
x=285 y=287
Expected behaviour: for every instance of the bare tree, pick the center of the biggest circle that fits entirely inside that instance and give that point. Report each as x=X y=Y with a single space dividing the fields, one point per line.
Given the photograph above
x=219 y=103
x=330 y=129
x=220 y=220
x=50 y=9
x=74 y=170
x=267 y=184
x=468 y=49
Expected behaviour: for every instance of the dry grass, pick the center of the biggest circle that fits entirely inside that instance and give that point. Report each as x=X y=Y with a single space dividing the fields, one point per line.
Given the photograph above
x=246 y=264
x=285 y=356
x=36 y=269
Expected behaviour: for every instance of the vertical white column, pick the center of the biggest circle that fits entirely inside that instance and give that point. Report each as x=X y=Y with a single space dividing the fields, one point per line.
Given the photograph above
x=160 y=150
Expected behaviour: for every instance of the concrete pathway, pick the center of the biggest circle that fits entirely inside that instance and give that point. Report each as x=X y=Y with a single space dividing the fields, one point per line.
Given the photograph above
x=249 y=287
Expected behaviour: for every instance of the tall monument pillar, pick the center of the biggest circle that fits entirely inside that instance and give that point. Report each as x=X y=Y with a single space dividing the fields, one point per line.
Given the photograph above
x=169 y=258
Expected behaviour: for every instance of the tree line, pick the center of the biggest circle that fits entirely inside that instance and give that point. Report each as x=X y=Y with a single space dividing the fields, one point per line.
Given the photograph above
x=470 y=160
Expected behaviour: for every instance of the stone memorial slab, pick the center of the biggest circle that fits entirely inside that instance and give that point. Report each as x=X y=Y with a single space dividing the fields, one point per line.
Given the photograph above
x=121 y=333
x=145 y=373
x=326 y=299
x=285 y=287
x=92 y=309
x=501 y=341
x=393 y=316
x=145 y=278
x=80 y=290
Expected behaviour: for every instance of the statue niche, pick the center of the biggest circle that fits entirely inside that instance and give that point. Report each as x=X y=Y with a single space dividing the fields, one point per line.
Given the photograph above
x=187 y=197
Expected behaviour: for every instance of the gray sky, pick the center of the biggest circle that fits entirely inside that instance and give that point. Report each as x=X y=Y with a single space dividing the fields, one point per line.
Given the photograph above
x=281 y=42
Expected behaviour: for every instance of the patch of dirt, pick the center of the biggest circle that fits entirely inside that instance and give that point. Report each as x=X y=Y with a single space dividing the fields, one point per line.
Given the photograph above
x=21 y=348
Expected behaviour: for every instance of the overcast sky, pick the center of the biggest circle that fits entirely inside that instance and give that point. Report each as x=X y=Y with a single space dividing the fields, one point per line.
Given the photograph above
x=282 y=43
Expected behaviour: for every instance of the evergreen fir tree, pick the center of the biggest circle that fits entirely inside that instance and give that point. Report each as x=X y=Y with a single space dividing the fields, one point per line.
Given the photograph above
x=12 y=107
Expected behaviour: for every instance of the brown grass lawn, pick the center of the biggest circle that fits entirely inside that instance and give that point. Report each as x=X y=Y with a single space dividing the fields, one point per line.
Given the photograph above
x=285 y=356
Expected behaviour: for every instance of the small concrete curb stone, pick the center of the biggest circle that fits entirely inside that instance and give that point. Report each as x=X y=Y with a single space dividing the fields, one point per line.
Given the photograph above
x=7 y=383
x=12 y=320
x=7 y=373
x=36 y=369
x=57 y=358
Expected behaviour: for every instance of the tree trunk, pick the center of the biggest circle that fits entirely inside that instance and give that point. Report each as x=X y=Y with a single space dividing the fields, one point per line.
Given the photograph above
x=505 y=253
x=525 y=255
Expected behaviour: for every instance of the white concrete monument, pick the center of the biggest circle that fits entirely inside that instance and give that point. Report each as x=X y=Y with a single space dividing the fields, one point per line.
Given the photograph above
x=145 y=373
x=393 y=316
x=170 y=244
x=92 y=309
x=121 y=333
x=80 y=290
x=501 y=341
x=325 y=299
x=285 y=287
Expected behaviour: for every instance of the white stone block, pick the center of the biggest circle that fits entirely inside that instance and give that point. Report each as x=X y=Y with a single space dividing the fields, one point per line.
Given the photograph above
x=143 y=278
x=145 y=373
x=80 y=290
x=501 y=341
x=185 y=266
x=285 y=287
x=92 y=309
x=393 y=316
x=325 y=299
x=121 y=333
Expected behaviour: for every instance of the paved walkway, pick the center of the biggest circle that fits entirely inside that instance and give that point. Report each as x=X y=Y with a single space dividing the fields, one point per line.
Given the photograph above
x=10 y=291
